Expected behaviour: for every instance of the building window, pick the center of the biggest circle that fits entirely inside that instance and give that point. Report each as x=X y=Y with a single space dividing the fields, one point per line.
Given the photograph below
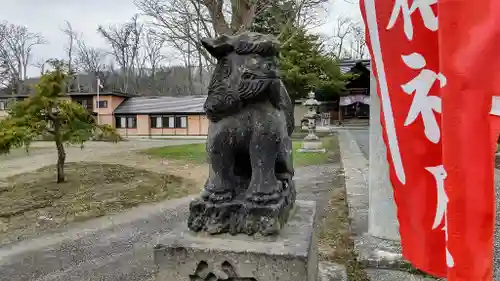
x=101 y=104
x=126 y=122
x=2 y=105
x=131 y=122
x=123 y=122
x=156 y=122
x=181 y=122
x=169 y=122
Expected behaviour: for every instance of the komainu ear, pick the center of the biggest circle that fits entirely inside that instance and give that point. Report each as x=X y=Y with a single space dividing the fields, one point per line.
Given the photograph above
x=218 y=47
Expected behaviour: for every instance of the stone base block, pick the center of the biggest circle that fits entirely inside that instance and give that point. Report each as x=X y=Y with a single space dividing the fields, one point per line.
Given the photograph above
x=183 y=255
x=242 y=216
x=301 y=150
x=312 y=146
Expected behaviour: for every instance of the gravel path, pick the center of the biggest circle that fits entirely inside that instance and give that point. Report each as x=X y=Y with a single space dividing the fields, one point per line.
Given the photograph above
x=362 y=138
x=120 y=247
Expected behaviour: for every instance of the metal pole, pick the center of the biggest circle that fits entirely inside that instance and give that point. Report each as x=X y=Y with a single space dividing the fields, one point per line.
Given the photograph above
x=97 y=105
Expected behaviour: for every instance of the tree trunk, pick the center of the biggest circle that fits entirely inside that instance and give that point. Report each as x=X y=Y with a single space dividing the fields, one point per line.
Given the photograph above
x=61 y=154
x=219 y=23
x=61 y=158
x=340 y=114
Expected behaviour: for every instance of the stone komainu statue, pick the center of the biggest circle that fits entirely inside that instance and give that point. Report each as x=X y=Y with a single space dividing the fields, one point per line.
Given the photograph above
x=250 y=188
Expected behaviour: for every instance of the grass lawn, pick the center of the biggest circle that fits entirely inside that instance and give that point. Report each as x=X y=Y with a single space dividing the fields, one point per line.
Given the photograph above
x=195 y=153
x=190 y=153
x=33 y=202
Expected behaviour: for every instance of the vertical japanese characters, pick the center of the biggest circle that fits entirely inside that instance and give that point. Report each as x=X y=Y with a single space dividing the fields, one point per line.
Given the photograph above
x=424 y=105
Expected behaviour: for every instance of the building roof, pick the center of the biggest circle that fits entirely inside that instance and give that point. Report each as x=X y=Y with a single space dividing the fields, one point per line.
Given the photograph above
x=347 y=65
x=104 y=93
x=162 y=104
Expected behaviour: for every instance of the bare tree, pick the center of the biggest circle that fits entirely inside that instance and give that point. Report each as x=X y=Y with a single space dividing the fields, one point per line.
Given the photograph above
x=348 y=40
x=89 y=59
x=40 y=64
x=358 y=43
x=153 y=45
x=125 y=43
x=175 y=81
x=70 y=52
x=16 y=46
x=70 y=48
x=139 y=76
x=308 y=13
x=184 y=22
x=341 y=35
x=181 y=22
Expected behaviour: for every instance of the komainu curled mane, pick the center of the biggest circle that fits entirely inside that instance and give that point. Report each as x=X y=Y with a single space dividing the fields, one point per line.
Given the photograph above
x=250 y=187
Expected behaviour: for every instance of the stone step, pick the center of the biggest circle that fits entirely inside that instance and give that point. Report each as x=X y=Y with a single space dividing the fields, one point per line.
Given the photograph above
x=329 y=271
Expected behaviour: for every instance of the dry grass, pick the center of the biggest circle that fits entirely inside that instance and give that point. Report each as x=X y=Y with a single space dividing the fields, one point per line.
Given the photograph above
x=21 y=152
x=335 y=243
x=32 y=203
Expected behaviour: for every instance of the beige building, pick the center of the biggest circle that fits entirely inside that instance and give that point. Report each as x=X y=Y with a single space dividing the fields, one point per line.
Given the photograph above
x=141 y=116
x=160 y=116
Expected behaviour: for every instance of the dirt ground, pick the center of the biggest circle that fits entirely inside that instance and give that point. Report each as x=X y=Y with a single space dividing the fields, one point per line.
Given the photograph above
x=102 y=178
x=197 y=173
x=32 y=203
x=43 y=154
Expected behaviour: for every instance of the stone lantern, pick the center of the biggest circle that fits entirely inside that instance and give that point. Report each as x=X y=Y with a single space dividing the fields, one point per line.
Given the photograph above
x=311 y=142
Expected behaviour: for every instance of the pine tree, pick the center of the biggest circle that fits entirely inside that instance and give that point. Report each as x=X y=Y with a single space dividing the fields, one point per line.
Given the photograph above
x=48 y=113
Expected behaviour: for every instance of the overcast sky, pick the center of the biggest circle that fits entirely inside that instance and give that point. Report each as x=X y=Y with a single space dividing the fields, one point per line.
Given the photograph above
x=48 y=17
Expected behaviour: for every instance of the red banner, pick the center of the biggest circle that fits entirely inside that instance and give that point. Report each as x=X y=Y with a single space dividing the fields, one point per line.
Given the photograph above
x=442 y=172
x=469 y=36
x=404 y=49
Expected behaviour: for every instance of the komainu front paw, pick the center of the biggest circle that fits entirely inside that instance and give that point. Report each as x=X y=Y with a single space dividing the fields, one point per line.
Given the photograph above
x=264 y=194
x=216 y=197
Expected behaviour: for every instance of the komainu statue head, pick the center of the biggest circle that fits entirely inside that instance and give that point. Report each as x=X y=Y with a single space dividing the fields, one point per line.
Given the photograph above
x=246 y=72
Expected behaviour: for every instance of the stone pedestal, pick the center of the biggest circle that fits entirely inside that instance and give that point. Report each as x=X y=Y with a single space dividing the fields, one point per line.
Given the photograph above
x=291 y=255
x=312 y=146
x=383 y=222
x=312 y=143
